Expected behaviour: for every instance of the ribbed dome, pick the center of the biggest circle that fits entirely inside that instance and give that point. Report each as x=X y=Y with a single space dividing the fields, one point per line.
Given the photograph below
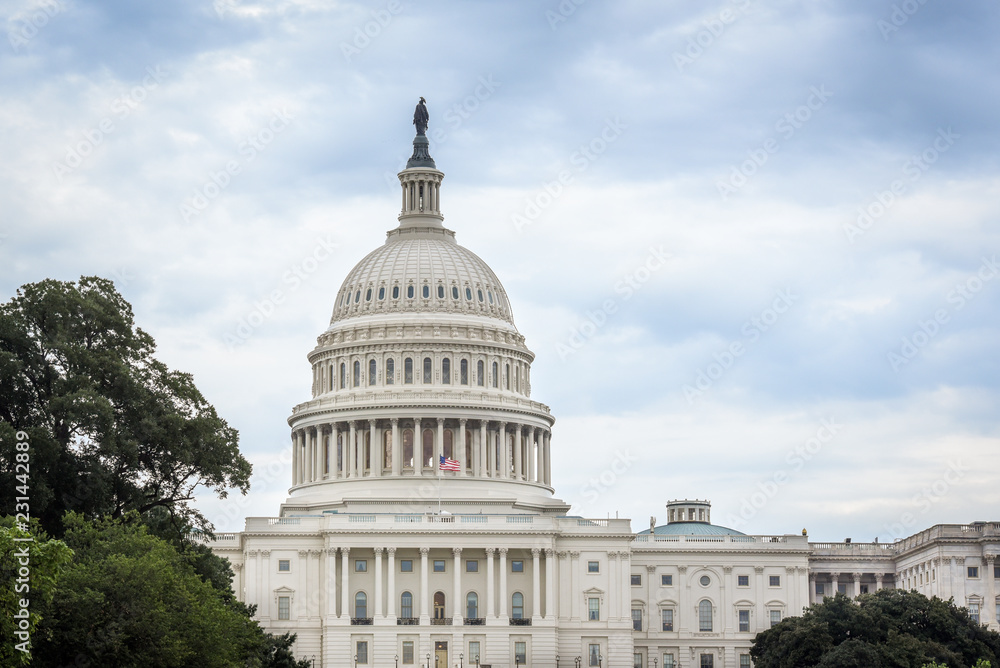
x=692 y=529
x=421 y=271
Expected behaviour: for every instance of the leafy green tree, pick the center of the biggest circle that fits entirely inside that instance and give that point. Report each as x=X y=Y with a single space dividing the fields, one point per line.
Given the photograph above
x=111 y=429
x=42 y=559
x=891 y=628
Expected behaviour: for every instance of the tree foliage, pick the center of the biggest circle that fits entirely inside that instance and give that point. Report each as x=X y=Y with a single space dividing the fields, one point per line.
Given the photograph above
x=890 y=628
x=111 y=428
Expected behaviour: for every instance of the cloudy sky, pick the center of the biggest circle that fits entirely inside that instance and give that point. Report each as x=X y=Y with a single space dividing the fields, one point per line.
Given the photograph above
x=753 y=244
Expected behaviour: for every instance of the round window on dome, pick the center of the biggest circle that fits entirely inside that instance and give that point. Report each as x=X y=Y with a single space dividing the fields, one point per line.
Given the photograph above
x=480 y=295
x=468 y=294
x=440 y=292
x=357 y=297
x=395 y=292
x=368 y=295
x=705 y=580
x=409 y=292
x=381 y=294
x=427 y=292
x=454 y=292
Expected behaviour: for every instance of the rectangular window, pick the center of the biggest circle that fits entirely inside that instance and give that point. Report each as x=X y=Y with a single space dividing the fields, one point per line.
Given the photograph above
x=636 y=619
x=742 y=580
x=594 y=655
x=668 y=661
x=439 y=565
x=427 y=371
x=408 y=371
x=405 y=565
x=636 y=580
x=283 y=606
x=520 y=653
x=744 y=621
x=594 y=609
x=407 y=652
x=864 y=589
x=841 y=589
x=668 y=620
x=820 y=588
x=774 y=580
x=593 y=567
x=775 y=617
x=973 y=571
x=707 y=661
x=360 y=565
x=998 y=611
x=362 y=652
x=974 y=612
x=666 y=580
x=474 y=652
x=636 y=660
x=284 y=565
x=996 y=572
x=472 y=566
x=744 y=661
x=517 y=566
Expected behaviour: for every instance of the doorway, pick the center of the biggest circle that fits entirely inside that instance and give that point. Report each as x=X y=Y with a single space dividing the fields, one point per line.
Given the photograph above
x=441 y=654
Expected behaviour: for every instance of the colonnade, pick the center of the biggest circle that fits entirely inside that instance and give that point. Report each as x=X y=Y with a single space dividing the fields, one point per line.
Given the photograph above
x=399 y=446
x=831 y=582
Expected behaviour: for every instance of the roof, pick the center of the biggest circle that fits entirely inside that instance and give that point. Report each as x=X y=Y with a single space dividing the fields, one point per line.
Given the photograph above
x=693 y=529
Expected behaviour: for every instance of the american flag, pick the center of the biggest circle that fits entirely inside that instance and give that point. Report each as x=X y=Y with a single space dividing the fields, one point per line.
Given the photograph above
x=448 y=464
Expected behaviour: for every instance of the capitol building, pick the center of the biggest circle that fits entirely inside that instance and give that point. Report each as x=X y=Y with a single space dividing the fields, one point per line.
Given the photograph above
x=421 y=527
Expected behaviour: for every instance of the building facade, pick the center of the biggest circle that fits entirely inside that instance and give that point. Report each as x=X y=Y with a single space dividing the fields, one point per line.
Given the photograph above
x=422 y=529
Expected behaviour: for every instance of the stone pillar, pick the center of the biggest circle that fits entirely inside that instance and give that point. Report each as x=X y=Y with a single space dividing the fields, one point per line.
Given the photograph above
x=418 y=446
x=461 y=447
x=330 y=582
x=612 y=589
x=536 y=583
x=835 y=583
x=374 y=462
x=295 y=457
x=857 y=584
x=725 y=604
x=878 y=581
x=989 y=614
x=265 y=564
x=534 y=456
x=625 y=603
x=457 y=586
x=378 y=582
x=334 y=458
x=424 y=603
x=350 y=451
x=345 y=589
x=439 y=446
x=761 y=623
x=503 y=583
x=397 y=449
x=504 y=456
x=550 y=583
x=518 y=461
x=390 y=597
x=548 y=459
x=685 y=611
x=574 y=586
x=483 y=461
x=490 y=577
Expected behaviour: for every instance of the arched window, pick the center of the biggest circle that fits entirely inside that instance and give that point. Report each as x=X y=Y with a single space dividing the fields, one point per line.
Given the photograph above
x=381 y=293
x=357 y=373
x=454 y=292
x=439 y=605
x=368 y=295
x=406 y=605
x=517 y=605
x=408 y=448
x=427 y=371
x=506 y=376
x=390 y=371
x=408 y=371
x=464 y=373
x=372 y=372
x=446 y=371
x=331 y=377
x=440 y=292
x=343 y=375
x=517 y=378
x=479 y=373
x=494 y=374
x=705 y=616
x=428 y=448
x=395 y=292
x=361 y=605
x=449 y=444
x=427 y=292
x=468 y=294
x=479 y=292
x=357 y=296
x=472 y=605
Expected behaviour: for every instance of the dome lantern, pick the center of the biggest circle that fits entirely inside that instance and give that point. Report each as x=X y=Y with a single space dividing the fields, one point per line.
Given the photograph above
x=421 y=180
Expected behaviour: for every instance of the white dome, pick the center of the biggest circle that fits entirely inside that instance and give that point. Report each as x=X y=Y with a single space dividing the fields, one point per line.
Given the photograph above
x=421 y=271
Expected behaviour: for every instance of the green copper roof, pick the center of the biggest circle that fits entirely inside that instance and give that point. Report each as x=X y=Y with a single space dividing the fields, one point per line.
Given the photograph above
x=692 y=529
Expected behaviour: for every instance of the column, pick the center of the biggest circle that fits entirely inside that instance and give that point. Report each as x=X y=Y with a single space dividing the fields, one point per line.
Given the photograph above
x=334 y=459
x=483 y=461
x=502 y=451
x=518 y=461
x=374 y=451
x=536 y=583
x=550 y=583
x=725 y=607
x=989 y=613
x=349 y=451
x=418 y=447
x=330 y=582
x=265 y=589
x=439 y=446
x=461 y=447
x=534 y=458
x=625 y=602
x=317 y=450
x=686 y=613
x=490 y=603
x=397 y=449
x=761 y=623
x=878 y=581
x=812 y=588
x=424 y=608
x=503 y=583
x=835 y=583
x=548 y=458
x=391 y=585
x=612 y=589
x=295 y=457
x=857 y=584
x=574 y=586
x=457 y=588
x=378 y=582
x=345 y=593
x=306 y=459
x=302 y=602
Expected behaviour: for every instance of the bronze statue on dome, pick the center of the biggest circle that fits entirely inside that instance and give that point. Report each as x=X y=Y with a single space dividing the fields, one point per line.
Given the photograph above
x=420 y=117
